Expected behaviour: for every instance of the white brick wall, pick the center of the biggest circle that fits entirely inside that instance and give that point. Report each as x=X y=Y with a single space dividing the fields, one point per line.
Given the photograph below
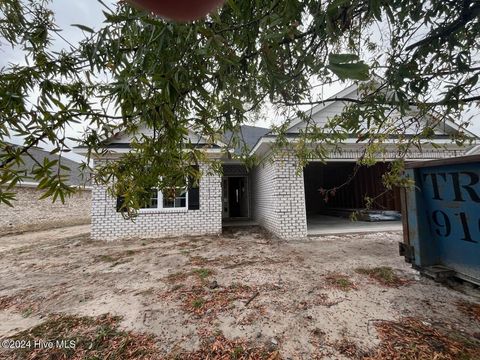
x=29 y=213
x=108 y=224
x=279 y=197
x=278 y=204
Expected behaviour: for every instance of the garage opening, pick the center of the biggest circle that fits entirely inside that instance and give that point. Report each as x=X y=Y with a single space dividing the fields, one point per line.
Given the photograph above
x=332 y=212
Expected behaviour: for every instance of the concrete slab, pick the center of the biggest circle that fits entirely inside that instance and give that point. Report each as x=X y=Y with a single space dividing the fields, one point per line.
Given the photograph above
x=330 y=225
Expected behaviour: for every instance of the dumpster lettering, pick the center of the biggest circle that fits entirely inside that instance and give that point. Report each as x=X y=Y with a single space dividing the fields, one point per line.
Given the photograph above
x=433 y=177
x=443 y=223
x=457 y=186
x=468 y=188
x=443 y=216
x=444 y=226
x=466 y=230
x=452 y=191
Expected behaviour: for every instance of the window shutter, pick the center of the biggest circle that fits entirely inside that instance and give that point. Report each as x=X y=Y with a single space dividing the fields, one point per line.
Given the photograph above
x=194 y=198
x=120 y=200
x=193 y=194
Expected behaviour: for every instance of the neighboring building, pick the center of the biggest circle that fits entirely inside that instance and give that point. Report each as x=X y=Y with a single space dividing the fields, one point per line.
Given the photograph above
x=273 y=194
x=31 y=213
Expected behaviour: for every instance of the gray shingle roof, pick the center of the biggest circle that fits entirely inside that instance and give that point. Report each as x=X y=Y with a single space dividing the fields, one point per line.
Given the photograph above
x=76 y=176
x=249 y=134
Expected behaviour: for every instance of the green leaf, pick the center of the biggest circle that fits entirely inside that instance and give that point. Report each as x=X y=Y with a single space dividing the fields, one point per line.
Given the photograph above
x=83 y=27
x=356 y=71
x=6 y=198
x=375 y=9
x=342 y=58
x=347 y=66
x=234 y=6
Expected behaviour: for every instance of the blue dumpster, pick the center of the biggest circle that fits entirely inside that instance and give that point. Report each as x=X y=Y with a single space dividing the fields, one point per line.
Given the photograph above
x=441 y=217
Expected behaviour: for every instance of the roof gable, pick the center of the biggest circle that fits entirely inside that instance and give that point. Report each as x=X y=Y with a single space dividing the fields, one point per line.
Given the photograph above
x=323 y=112
x=122 y=138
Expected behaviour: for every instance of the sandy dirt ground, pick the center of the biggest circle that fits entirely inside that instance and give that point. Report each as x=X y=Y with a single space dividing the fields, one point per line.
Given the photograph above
x=318 y=298
x=21 y=240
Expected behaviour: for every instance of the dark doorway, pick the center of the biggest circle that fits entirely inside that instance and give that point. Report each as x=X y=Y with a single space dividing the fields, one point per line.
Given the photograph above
x=237 y=197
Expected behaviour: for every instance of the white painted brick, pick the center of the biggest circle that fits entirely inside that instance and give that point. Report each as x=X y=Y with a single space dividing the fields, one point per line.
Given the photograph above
x=108 y=224
x=279 y=198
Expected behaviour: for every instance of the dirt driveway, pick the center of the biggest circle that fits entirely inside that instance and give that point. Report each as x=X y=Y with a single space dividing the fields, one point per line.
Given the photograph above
x=243 y=295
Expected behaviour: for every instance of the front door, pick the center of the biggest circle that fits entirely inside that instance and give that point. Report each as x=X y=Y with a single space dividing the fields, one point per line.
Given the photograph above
x=225 y=205
x=237 y=197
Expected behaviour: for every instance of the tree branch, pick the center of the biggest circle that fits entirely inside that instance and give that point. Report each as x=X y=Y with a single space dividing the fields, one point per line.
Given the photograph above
x=467 y=14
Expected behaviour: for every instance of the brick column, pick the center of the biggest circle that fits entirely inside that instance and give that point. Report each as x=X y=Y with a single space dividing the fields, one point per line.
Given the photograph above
x=279 y=197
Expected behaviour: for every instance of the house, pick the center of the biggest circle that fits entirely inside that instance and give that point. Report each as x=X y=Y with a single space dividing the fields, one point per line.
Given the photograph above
x=31 y=213
x=274 y=194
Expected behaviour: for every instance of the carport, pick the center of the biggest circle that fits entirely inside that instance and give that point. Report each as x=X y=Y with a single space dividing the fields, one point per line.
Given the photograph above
x=330 y=212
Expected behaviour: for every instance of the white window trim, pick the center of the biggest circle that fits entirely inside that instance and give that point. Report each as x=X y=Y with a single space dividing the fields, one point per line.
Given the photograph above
x=165 y=210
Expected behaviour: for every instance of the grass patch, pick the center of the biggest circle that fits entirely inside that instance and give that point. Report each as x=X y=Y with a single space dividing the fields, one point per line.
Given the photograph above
x=412 y=339
x=198 y=303
x=27 y=312
x=340 y=282
x=203 y=273
x=383 y=275
x=200 y=300
x=94 y=338
x=237 y=352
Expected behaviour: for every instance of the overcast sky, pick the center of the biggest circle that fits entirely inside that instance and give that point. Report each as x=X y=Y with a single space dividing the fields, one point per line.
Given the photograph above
x=89 y=12
x=67 y=12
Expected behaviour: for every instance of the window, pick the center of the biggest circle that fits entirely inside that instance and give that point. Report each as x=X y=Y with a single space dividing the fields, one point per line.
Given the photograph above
x=174 y=198
x=152 y=203
x=171 y=198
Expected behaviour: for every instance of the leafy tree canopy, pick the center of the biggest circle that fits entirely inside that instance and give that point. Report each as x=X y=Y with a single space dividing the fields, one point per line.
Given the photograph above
x=214 y=74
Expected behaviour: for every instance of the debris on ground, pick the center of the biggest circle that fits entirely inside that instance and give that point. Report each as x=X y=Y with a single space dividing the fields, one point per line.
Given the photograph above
x=412 y=339
x=219 y=348
x=470 y=309
x=198 y=300
x=341 y=282
x=347 y=348
x=82 y=338
x=18 y=301
x=383 y=275
x=242 y=294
